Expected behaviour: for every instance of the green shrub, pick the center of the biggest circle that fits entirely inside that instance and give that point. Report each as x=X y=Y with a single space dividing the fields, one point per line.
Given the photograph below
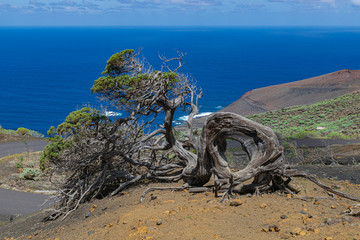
x=30 y=173
x=27 y=132
x=22 y=131
x=19 y=164
x=306 y=134
x=60 y=137
x=35 y=134
x=336 y=135
x=7 y=131
x=52 y=151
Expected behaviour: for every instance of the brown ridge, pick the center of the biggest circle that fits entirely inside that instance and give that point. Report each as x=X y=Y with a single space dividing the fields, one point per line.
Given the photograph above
x=303 y=92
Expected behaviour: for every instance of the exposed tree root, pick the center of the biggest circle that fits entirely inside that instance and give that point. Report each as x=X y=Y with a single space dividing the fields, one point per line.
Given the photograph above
x=297 y=173
x=142 y=198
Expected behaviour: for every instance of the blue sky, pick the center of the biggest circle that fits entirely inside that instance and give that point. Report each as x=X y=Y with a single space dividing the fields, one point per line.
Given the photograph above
x=179 y=12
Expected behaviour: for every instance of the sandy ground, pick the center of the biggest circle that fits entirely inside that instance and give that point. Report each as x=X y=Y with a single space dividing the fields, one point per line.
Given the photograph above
x=312 y=214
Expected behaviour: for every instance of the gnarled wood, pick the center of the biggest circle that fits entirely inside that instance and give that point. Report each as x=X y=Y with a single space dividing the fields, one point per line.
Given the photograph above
x=260 y=143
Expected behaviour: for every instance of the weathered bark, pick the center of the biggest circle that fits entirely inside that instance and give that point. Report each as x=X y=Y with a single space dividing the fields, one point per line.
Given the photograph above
x=260 y=143
x=266 y=166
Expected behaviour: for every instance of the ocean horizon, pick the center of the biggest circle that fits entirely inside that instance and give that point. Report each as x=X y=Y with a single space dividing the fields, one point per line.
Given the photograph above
x=47 y=72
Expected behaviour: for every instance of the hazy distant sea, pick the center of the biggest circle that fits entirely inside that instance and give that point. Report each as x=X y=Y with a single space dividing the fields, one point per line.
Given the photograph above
x=45 y=73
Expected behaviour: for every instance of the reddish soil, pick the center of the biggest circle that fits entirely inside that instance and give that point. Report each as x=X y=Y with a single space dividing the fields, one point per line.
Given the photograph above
x=181 y=215
x=312 y=214
x=302 y=92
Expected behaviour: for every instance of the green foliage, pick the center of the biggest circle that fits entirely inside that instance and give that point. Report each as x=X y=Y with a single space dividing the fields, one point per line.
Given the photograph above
x=51 y=132
x=30 y=173
x=7 y=131
x=171 y=156
x=75 y=120
x=332 y=118
x=119 y=62
x=59 y=139
x=336 y=135
x=52 y=151
x=306 y=134
x=19 y=164
x=35 y=134
x=126 y=83
x=22 y=131
x=122 y=82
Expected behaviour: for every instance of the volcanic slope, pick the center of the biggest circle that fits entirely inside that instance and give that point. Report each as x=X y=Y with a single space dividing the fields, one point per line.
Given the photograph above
x=303 y=92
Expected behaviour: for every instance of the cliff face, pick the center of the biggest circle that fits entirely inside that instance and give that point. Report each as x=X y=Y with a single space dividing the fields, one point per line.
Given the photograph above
x=308 y=91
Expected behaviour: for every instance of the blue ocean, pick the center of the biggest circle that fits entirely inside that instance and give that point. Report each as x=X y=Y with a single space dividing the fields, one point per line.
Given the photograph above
x=45 y=73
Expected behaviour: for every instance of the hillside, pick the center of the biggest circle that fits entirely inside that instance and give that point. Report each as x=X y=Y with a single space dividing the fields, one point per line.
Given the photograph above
x=183 y=215
x=308 y=91
x=335 y=118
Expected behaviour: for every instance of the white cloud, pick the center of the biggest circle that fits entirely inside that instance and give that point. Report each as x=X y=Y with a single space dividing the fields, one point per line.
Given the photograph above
x=307 y=4
x=37 y=3
x=6 y=7
x=355 y=2
x=249 y=6
x=158 y=3
x=32 y=6
x=173 y=5
x=304 y=1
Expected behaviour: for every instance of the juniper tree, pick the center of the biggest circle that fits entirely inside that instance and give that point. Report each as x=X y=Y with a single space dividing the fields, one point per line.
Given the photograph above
x=102 y=156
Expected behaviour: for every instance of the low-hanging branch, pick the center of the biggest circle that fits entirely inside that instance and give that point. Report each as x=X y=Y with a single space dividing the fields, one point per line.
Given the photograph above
x=103 y=156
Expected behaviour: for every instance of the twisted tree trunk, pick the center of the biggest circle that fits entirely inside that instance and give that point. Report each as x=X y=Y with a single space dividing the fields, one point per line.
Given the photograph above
x=267 y=164
x=259 y=142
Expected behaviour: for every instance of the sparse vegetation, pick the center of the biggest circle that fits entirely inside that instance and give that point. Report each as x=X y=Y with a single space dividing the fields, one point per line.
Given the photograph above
x=19 y=164
x=22 y=172
x=22 y=131
x=73 y=122
x=30 y=173
x=306 y=134
x=8 y=135
x=335 y=118
x=336 y=135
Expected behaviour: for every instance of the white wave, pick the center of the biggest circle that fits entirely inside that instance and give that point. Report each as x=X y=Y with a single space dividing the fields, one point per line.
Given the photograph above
x=112 y=114
x=185 y=118
x=219 y=107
